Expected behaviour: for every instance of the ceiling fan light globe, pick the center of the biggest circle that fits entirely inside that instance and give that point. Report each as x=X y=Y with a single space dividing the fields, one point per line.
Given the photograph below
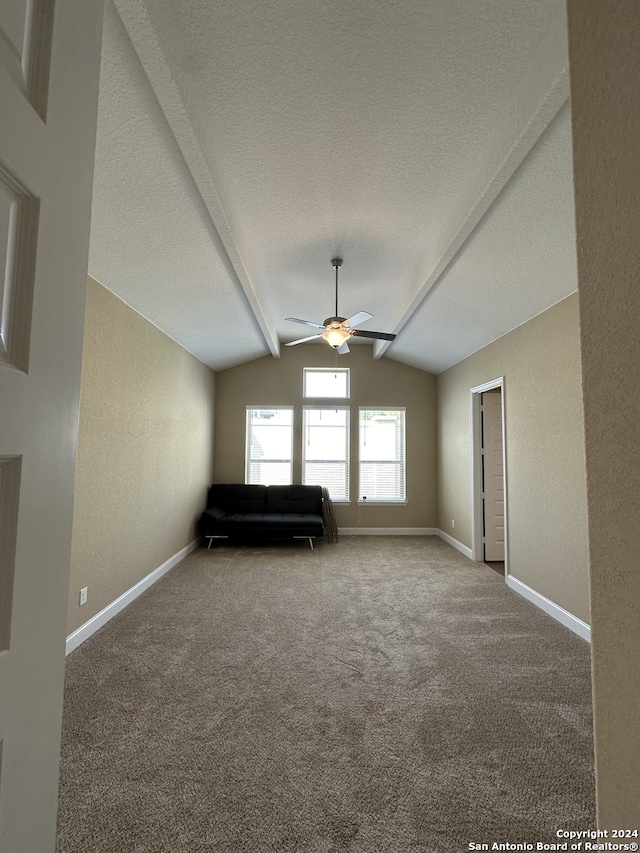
x=336 y=337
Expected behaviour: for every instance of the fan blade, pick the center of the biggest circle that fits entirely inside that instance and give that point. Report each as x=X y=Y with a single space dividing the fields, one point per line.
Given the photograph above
x=305 y=322
x=343 y=349
x=304 y=340
x=381 y=336
x=360 y=317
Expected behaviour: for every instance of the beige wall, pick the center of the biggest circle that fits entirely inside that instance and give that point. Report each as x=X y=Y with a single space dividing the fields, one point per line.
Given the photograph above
x=547 y=522
x=144 y=452
x=605 y=81
x=380 y=383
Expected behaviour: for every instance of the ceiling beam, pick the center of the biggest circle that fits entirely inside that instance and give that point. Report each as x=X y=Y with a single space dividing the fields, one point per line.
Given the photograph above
x=554 y=99
x=231 y=245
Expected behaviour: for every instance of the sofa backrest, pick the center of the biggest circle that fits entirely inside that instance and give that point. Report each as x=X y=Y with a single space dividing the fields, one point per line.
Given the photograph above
x=237 y=497
x=294 y=499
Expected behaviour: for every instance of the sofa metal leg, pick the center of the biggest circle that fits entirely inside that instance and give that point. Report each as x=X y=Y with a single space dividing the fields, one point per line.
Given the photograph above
x=311 y=543
x=211 y=537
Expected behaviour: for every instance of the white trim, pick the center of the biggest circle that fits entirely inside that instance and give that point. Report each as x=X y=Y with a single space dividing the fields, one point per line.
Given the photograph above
x=475 y=453
x=464 y=549
x=141 y=31
x=92 y=625
x=307 y=370
x=398 y=463
x=307 y=426
x=388 y=531
x=475 y=429
x=559 y=613
x=249 y=461
x=473 y=216
x=373 y=502
x=488 y=386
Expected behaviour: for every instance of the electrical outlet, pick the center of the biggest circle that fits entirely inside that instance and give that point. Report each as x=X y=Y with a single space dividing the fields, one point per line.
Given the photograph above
x=83 y=595
x=453 y=523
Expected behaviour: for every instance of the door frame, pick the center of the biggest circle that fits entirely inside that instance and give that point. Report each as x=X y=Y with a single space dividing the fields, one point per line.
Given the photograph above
x=475 y=421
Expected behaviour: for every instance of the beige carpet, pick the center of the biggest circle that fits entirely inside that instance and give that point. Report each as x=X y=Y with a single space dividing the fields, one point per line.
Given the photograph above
x=382 y=694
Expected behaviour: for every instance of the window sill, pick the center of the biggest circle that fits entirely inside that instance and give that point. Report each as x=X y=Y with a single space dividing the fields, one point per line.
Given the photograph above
x=381 y=503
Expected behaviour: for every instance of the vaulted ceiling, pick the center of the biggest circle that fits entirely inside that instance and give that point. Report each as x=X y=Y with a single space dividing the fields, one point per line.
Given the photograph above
x=242 y=145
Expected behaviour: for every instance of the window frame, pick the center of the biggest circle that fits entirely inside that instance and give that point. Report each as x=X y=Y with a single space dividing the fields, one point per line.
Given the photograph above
x=401 y=464
x=346 y=461
x=248 y=461
x=307 y=371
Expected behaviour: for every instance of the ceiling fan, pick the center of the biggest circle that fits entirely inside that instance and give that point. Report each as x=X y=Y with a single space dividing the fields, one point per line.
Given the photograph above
x=338 y=330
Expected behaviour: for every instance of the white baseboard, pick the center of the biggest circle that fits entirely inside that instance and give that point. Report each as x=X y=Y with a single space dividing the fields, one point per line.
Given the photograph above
x=388 y=531
x=92 y=625
x=458 y=545
x=567 y=619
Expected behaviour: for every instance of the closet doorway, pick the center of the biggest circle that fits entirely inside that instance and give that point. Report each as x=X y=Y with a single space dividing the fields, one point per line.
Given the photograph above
x=488 y=475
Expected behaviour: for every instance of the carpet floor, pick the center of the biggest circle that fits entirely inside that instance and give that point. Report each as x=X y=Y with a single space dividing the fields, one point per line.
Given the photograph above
x=382 y=695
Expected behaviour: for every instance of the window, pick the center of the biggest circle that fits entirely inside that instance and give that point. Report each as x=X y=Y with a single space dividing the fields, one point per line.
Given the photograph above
x=326 y=382
x=325 y=449
x=382 y=455
x=269 y=446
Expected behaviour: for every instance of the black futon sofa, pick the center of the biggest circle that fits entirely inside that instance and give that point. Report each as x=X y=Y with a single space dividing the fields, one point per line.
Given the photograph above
x=251 y=513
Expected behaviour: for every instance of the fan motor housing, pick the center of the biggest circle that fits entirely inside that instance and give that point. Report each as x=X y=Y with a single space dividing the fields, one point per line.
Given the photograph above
x=334 y=322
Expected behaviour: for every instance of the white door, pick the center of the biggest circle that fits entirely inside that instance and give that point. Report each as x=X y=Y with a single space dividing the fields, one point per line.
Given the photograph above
x=49 y=71
x=492 y=476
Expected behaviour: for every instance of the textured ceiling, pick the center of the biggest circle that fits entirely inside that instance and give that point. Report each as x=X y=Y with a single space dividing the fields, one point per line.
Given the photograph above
x=242 y=145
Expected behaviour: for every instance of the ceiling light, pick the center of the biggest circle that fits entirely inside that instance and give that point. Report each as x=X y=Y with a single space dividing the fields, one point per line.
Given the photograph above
x=338 y=330
x=336 y=337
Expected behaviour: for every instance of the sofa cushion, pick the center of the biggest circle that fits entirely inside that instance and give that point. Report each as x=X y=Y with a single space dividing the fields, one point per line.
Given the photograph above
x=237 y=497
x=292 y=519
x=214 y=513
x=294 y=499
x=248 y=520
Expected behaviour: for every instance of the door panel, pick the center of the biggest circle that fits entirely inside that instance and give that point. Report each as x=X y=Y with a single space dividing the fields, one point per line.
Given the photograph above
x=19 y=214
x=493 y=476
x=49 y=69
x=25 y=48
